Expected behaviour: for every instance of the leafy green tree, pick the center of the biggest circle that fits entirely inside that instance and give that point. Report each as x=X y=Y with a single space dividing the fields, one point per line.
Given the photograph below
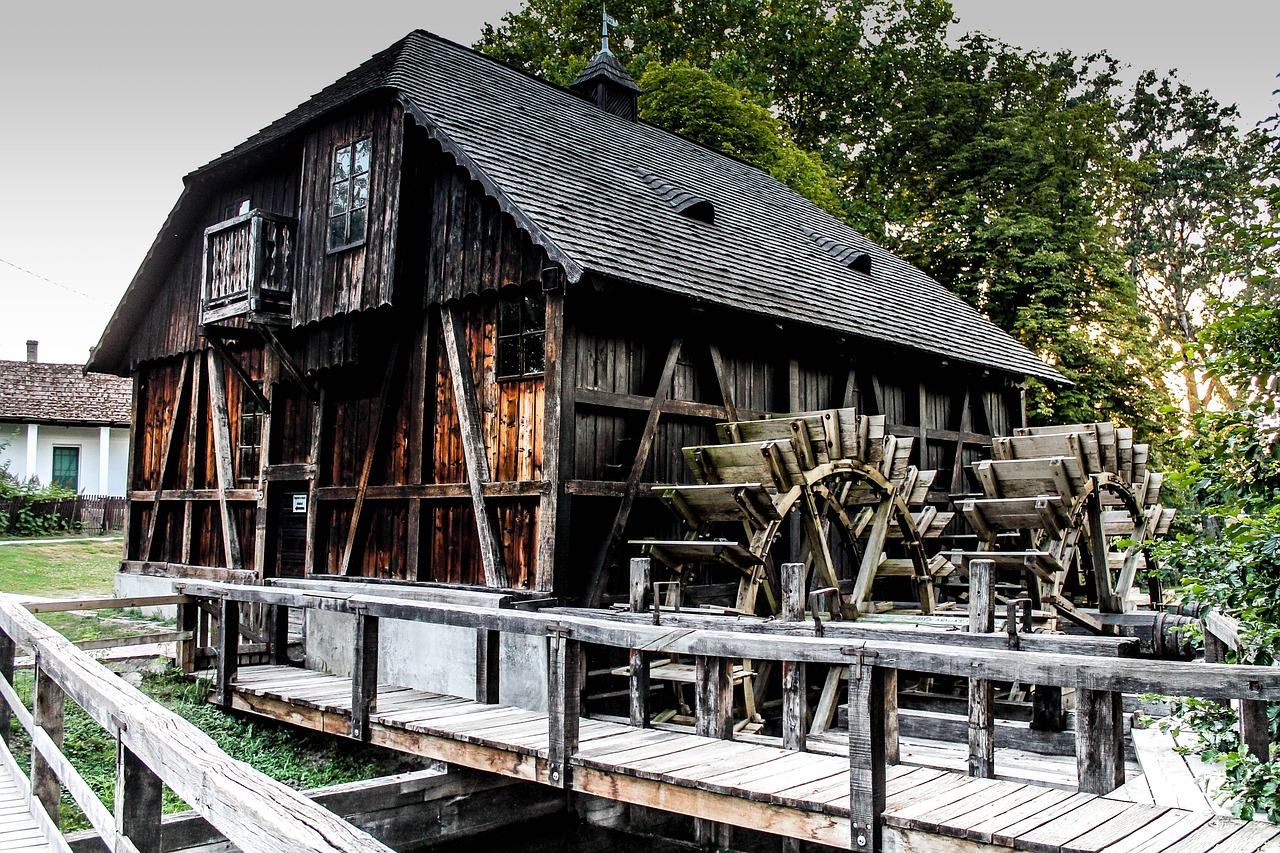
x=1191 y=190
x=691 y=102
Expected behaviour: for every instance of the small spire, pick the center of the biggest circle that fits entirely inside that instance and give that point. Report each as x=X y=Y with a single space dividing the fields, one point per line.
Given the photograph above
x=605 y=23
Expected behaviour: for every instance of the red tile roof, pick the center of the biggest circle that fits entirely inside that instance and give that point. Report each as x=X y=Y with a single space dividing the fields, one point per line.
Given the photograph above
x=43 y=393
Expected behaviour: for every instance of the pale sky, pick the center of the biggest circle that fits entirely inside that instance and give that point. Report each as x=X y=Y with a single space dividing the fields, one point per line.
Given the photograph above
x=106 y=104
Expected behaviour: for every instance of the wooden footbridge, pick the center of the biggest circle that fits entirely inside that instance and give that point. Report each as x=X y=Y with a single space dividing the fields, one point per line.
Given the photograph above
x=865 y=801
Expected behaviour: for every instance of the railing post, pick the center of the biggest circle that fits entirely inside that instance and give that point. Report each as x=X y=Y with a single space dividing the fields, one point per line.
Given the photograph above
x=364 y=674
x=228 y=648
x=1255 y=732
x=188 y=622
x=49 y=707
x=714 y=704
x=139 y=801
x=488 y=668
x=641 y=579
x=794 y=676
x=982 y=620
x=1099 y=740
x=7 y=653
x=279 y=634
x=867 y=757
x=564 y=704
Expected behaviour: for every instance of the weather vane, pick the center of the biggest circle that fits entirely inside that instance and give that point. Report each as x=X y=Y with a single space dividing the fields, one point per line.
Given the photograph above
x=605 y=23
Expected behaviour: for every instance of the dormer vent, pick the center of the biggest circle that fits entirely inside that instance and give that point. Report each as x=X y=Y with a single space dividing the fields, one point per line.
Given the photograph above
x=683 y=202
x=855 y=259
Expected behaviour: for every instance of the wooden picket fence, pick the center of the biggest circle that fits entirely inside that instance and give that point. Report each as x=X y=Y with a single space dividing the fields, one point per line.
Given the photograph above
x=94 y=514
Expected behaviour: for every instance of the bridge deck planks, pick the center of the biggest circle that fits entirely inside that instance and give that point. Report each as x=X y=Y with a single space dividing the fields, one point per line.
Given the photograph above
x=19 y=831
x=753 y=784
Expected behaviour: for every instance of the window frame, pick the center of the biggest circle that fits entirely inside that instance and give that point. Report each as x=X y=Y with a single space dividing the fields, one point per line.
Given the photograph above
x=250 y=410
x=523 y=334
x=348 y=181
x=53 y=467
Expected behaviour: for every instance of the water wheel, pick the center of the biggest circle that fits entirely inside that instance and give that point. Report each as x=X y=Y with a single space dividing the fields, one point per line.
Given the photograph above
x=834 y=471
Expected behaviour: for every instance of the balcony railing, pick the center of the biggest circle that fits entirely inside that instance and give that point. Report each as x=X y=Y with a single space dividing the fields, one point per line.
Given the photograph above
x=248 y=268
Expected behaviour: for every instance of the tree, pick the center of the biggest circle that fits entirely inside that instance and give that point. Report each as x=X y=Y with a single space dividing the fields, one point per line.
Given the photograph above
x=691 y=102
x=1191 y=188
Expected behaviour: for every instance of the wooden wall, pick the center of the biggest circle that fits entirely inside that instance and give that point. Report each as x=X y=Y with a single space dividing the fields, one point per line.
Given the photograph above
x=360 y=278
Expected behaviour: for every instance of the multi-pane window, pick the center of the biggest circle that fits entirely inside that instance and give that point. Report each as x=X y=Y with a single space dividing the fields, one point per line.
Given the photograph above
x=66 y=468
x=349 y=193
x=250 y=454
x=522 y=322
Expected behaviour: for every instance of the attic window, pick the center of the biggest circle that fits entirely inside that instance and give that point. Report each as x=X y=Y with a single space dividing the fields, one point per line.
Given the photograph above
x=522 y=322
x=855 y=259
x=349 y=194
x=682 y=201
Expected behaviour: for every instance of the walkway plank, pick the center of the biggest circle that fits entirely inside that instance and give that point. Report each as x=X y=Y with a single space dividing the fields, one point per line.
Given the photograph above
x=799 y=795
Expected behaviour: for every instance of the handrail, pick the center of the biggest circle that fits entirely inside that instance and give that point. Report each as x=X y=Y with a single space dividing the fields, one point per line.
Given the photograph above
x=1211 y=681
x=252 y=810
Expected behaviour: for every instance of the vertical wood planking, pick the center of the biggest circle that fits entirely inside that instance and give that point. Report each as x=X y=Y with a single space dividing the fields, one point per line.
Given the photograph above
x=49 y=713
x=982 y=619
x=713 y=678
x=139 y=799
x=867 y=758
x=364 y=673
x=473 y=446
x=564 y=705
x=1099 y=741
x=222 y=459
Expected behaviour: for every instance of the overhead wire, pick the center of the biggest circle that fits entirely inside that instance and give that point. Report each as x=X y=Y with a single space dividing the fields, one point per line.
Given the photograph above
x=55 y=283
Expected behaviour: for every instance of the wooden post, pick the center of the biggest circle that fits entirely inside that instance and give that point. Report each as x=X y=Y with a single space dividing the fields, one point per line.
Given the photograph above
x=794 y=686
x=1254 y=731
x=188 y=621
x=228 y=648
x=892 y=749
x=867 y=756
x=982 y=619
x=714 y=705
x=7 y=653
x=364 y=674
x=641 y=578
x=488 y=669
x=138 y=803
x=222 y=461
x=1099 y=741
x=564 y=705
x=279 y=634
x=50 y=707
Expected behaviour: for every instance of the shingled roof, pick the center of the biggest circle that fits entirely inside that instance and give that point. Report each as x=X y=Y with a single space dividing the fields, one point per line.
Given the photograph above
x=575 y=175
x=37 y=392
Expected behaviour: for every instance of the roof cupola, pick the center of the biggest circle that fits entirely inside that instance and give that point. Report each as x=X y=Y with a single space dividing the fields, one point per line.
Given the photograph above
x=605 y=82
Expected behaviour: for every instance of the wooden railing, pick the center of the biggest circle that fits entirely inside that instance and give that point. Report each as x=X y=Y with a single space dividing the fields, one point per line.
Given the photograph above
x=155 y=746
x=248 y=267
x=873 y=657
x=1222 y=632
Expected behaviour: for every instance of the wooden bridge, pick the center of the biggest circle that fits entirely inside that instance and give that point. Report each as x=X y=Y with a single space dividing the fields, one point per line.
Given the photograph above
x=867 y=800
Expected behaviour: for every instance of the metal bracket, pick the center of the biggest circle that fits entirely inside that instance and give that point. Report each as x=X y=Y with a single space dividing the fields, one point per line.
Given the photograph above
x=859 y=653
x=814 y=598
x=657 y=599
x=1012 y=620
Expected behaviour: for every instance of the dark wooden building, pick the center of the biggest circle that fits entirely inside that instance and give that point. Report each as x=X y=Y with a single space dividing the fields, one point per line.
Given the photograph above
x=446 y=323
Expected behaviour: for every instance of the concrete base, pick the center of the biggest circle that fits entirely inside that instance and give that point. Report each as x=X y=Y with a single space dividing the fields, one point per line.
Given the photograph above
x=133 y=586
x=437 y=658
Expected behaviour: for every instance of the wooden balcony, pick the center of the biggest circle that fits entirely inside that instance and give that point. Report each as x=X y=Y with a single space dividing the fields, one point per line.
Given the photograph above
x=248 y=269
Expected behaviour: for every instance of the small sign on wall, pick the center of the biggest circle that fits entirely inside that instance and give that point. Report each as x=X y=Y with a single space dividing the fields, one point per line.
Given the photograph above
x=300 y=502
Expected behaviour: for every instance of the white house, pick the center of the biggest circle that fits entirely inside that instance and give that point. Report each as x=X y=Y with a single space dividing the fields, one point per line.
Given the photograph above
x=62 y=425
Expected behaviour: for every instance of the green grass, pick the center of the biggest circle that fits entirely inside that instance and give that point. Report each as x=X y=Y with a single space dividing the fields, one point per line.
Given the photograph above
x=59 y=570
x=297 y=758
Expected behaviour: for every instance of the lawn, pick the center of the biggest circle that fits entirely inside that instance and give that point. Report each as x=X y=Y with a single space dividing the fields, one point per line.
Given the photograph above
x=60 y=569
